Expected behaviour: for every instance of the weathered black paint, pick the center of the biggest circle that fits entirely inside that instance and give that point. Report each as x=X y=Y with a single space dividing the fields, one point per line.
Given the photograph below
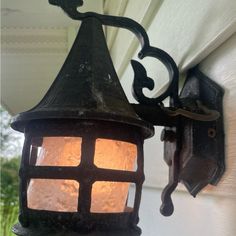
x=196 y=155
x=85 y=100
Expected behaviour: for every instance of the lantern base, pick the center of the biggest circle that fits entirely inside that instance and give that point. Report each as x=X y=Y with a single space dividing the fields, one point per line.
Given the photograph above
x=19 y=230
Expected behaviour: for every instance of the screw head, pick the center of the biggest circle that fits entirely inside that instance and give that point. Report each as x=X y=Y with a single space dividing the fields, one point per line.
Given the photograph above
x=211 y=132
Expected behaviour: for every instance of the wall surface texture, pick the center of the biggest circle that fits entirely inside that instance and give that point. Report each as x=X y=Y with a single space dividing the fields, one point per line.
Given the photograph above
x=193 y=32
x=212 y=212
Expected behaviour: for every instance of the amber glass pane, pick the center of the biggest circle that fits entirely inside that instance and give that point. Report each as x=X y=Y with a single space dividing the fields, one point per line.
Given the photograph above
x=117 y=155
x=62 y=195
x=53 y=195
x=56 y=195
x=60 y=151
x=109 y=197
x=113 y=154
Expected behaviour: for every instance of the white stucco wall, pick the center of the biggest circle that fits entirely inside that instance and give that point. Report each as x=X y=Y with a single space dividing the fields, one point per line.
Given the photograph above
x=213 y=212
x=205 y=215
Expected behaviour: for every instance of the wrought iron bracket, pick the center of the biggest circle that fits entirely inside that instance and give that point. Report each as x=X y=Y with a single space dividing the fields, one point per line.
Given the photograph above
x=194 y=134
x=194 y=145
x=141 y=80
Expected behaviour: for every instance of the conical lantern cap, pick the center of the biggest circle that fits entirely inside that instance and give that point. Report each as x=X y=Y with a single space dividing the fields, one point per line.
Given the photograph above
x=87 y=86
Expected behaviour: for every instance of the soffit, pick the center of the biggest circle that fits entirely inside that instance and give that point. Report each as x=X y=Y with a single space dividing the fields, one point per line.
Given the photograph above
x=35 y=40
x=38 y=14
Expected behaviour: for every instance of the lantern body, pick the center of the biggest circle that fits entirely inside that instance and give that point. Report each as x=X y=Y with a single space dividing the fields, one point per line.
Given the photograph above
x=62 y=195
x=78 y=185
x=77 y=174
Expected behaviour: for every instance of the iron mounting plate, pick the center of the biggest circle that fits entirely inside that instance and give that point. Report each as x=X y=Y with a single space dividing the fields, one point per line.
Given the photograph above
x=202 y=156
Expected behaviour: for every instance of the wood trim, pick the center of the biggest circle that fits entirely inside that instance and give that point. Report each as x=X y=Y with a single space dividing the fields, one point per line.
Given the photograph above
x=34 y=40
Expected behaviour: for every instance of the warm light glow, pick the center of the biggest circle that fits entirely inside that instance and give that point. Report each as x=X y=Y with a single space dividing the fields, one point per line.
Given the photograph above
x=109 y=196
x=56 y=195
x=60 y=151
x=53 y=195
x=62 y=195
x=117 y=155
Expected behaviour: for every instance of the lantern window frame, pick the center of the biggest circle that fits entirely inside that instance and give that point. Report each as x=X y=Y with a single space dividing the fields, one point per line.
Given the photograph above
x=86 y=174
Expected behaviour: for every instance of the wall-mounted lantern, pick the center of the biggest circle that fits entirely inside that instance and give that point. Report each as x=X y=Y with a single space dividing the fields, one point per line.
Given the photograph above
x=84 y=141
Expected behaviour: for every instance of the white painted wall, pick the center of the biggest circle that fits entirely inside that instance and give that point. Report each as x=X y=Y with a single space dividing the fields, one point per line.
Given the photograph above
x=212 y=212
x=201 y=216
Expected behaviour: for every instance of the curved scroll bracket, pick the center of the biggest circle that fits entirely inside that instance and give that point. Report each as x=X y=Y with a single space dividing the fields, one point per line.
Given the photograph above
x=71 y=9
x=169 y=63
x=141 y=80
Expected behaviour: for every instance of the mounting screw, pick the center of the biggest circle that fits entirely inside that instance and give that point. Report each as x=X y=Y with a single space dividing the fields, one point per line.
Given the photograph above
x=211 y=132
x=168 y=135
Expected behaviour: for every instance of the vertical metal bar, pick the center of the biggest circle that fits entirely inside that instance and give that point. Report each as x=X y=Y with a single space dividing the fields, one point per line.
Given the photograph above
x=87 y=159
x=138 y=191
x=23 y=217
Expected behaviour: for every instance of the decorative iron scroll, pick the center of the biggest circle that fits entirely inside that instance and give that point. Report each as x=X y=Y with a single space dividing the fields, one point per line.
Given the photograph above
x=140 y=80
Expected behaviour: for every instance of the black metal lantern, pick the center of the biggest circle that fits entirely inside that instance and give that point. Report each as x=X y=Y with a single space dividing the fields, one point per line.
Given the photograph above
x=84 y=140
x=86 y=106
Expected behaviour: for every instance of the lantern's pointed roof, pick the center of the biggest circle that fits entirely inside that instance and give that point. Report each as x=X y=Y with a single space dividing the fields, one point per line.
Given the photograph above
x=87 y=86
